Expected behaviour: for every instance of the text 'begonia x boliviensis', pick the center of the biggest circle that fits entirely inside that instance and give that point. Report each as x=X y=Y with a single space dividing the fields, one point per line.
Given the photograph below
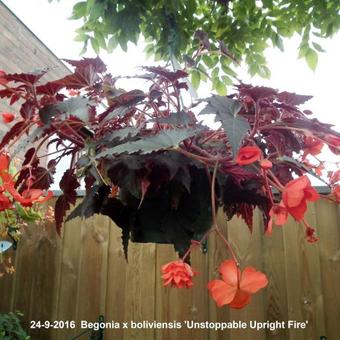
x=236 y=287
x=178 y=274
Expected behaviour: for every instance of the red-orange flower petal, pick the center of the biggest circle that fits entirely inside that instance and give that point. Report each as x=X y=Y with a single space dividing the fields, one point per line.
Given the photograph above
x=4 y=162
x=265 y=164
x=236 y=288
x=248 y=155
x=28 y=197
x=178 y=273
x=240 y=300
x=313 y=146
x=252 y=280
x=279 y=214
x=228 y=271
x=7 y=117
x=5 y=203
x=295 y=195
x=222 y=292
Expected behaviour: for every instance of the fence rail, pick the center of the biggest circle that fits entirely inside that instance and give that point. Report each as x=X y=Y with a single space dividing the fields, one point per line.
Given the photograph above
x=83 y=275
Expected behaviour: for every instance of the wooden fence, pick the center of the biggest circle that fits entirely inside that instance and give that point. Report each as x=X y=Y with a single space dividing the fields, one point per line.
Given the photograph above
x=84 y=274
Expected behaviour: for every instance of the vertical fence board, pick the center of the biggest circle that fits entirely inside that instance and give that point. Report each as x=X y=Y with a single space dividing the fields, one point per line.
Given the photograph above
x=68 y=283
x=92 y=269
x=116 y=283
x=328 y=222
x=217 y=252
x=275 y=294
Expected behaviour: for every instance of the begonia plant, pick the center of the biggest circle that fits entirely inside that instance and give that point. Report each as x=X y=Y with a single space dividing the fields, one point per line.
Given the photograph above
x=151 y=163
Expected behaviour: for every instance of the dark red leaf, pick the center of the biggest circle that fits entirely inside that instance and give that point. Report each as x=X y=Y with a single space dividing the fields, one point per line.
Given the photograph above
x=25 y=172
x=68 y=185
x=49 y=88
x=256 y=92
x=293 y=98
x=26 y=78
x=85 y=77
x=96 y=63
x=15 y=131
x=43 y=178
x=27 y=110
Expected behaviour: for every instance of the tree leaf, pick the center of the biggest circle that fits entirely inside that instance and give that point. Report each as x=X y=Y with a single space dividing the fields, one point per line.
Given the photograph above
x=226 y=111
x=163 y=140
x=195 y=79
x=312 y=59
x=95 y=45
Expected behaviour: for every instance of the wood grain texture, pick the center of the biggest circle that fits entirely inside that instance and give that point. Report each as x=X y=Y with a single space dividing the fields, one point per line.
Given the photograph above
x=84 y=274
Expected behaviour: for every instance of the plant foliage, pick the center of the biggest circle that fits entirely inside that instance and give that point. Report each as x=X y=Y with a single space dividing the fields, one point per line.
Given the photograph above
x=147 y=160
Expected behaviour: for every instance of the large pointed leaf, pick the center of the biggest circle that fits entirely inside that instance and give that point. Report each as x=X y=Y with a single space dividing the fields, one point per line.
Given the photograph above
x=77 y=107
x=163 y=140
x=226 y=111
x=176 y=118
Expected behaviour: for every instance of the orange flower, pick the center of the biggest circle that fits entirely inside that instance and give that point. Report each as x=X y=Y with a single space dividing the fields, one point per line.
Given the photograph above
x=178 y=273
x=5 y=203
x=235 y=288
x=265 y=164
x=295 y=195
x=4 y=162
x=7 y=117
x=248 y=154
x=313 y=146
x=278 y=214
x=29 y=196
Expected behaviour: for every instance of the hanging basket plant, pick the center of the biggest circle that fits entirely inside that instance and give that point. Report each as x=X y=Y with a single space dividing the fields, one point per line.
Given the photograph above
x=151 y=164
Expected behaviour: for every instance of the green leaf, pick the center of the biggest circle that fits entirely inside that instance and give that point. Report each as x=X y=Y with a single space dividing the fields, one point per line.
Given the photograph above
x=312 y=59
x=318 y=47
x=195 y=79
x=209 y=61
x=165 y=139
x=264 y=71
x=226 y=69
x=27 y=215
x=112 y=44
x=226 y=111
x=219 y=87
x=101 y=40
x=89 y=6
x=95 y=45
x=81 y=37
x=79 y=10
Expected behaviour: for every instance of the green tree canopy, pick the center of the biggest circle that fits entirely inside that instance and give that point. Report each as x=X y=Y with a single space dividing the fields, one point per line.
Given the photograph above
x=209 y=35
